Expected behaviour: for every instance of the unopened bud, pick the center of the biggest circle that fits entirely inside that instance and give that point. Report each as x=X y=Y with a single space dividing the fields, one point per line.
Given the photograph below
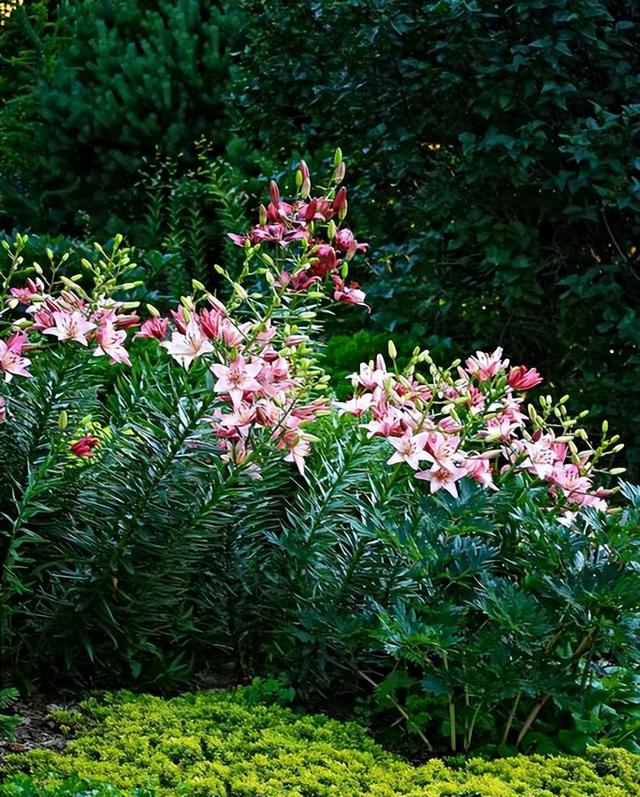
x=338 y=173
x=153 y=311
x=240 y=291
x=274 y=192
x=63 y=419
x=38 y=269
x=605 y=426
x=340 y=200
x=305 y=189
x=617 y=471
x=337 y=157
x=197 y=285
x=393 y=352
x=262 y=216
x=331 y=230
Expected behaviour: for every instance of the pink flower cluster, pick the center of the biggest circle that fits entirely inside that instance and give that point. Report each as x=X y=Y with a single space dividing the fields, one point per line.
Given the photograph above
x=260 y=396
x=66 y=317
x=313 y=223
x=470 y=423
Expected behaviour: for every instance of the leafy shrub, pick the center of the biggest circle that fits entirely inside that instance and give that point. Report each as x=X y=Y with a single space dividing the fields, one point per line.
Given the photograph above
x=130 y=79
x=27 y=38
x=496 y=159
x=8 y=722
x=222 y=514
x=220 y=744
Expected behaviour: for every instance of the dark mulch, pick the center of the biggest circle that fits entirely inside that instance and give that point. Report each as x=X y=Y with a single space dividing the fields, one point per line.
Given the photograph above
x=37 y=729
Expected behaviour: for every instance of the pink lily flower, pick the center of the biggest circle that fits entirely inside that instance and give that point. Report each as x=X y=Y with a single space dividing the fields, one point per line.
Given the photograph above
x=521 y=378
x=84 y=446
x=153 y=328
x=110 y=342
x=479 y=469
x=350 y=294
x=442 y=478
x=442 y=450
x=237 y=378
x=345 y=241
x=571 y=482
x=32 y=288
x=187 y=347
x=11 y=361
x=484 y=366
x=70 y=326
x=409 y=448
x=355 y=406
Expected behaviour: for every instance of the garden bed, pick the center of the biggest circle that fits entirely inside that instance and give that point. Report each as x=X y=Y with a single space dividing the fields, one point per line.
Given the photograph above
x=224 y=744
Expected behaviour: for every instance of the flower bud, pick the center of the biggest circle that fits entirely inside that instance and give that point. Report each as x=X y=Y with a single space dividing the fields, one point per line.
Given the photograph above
x=63 y=419
x=274 y=192
x=605 y=426
x=340 y=200
x=393 y=352
x=153 y=311
x=262 y=216
x=617 y=471
x=331 y=230
x=338 y=173
x=305 y=189
x=197 y=285
x=337 y=157
x=240 y=291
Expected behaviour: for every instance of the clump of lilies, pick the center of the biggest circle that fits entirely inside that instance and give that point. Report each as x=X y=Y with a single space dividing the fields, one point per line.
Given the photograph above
x=470 y=422
x=256 y=353
x=257 y=348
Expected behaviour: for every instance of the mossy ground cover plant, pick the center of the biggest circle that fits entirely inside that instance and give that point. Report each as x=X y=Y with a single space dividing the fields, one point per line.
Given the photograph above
x=227 y=745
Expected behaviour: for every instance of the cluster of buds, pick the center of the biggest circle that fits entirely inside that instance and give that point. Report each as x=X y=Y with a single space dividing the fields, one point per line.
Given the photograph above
x=469 y=421
x=313 y=244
